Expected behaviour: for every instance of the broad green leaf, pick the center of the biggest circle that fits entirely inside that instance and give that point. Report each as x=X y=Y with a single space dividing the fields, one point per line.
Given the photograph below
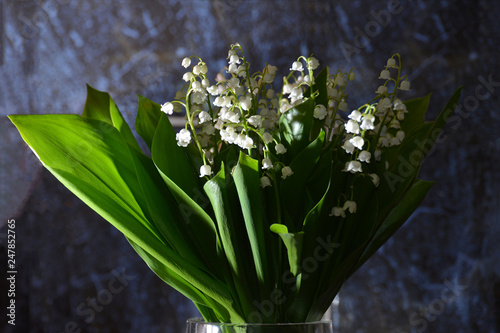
x=164 y=211
x=148 y=117
x=246 y=176
x=319 y=87
x=171 y=278
x=396 y=218
x=405 y=161
x=327 y=291
x=295 y=127
x=100 y=106
x=175 y=169
x=199 y=223
x=97 y=166
x=293 y=244
x=416 y=113
x=320 y=178
x=302 y=167
x=440 y=121
x=233 y=238
x=210 y=309
x=171 y=159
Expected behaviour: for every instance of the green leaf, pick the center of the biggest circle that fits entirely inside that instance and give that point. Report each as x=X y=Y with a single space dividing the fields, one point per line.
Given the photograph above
x=440 y=121
x=97 y=166
x=163 y=211
x=293 y=243
x=295 y=127
x=416 y=113
x=100 y=106
x=171 y=159
x=175 y=169
x=319 y=87
x=148 y=117
x=405 y=160
x=171 y=278
x=302 y=166
x=396 y=218
x=246 y=176
x=233 y=238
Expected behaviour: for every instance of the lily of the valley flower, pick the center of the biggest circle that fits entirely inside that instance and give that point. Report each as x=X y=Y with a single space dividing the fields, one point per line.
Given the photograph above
x=297 y=66
x=267 y=163
x=337 y=211
x=320 y=112
x=205 y=170
x=352 y=126
x=405 y=85
x=268 y=138
x=204 y=117
x=364 y=156
x=357 y=142
x=265 y=182
x=350 y=205
x=368 y=122
x=353 y=166
x=168 y=108
x=286 y=172
x=375 y=179
x=183 y=138
x=385 y=75
x=186 y=62
x=280 y=149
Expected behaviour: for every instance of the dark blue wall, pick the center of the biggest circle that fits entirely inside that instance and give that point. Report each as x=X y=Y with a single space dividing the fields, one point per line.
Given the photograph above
x=439 y=273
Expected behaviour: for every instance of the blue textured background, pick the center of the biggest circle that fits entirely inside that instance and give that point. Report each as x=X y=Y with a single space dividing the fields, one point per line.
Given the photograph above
x=439 y=273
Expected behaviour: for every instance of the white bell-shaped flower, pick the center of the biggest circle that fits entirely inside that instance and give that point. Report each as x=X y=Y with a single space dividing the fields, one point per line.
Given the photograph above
x=353 y=166
x=385 y=75
x=205 y=170
x=286 y=172
x=405 y=85
x=168 y=108
x=350 y=206
x=280 y=149
x=267 y=163
x=186 y=62
x=375 y=179
x=352 y=127
x=364 y=156
x=297 y=66
x=265 y=182
x=357 y=142
x=267 y=137
x=204 y=117
x=320 y=112
x=183 y=138
x=337 y=211
x=367 y=123
x=355 y=115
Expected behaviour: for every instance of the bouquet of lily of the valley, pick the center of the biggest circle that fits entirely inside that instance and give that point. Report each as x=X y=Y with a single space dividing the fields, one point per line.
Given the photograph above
x=267 y=201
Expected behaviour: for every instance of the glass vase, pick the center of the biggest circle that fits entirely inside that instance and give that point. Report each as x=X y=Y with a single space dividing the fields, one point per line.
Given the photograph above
x=198 y=325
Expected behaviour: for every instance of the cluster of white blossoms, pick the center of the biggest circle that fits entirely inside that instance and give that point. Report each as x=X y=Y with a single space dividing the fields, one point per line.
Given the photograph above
x=243 y=109
x=382 y=120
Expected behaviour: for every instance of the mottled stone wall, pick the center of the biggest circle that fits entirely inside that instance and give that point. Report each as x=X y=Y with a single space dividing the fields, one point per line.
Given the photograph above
x=440 y=272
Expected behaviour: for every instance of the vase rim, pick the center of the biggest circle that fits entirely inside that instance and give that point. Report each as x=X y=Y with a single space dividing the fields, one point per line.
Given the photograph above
x=200 y=320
